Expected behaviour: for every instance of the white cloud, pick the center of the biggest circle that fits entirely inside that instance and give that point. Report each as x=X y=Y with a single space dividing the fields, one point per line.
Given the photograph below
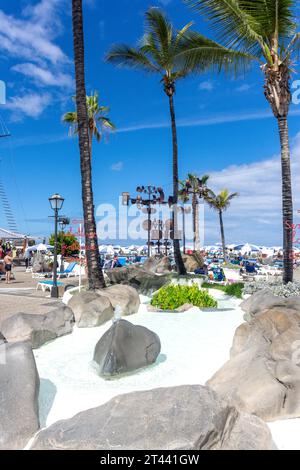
x=117 y=166
x=28 y=38
x=31 y=39
x=255 y=216
x=43 y=76
x=31 y=105
x=244 y=87
x=207 y=121
x=206 y=86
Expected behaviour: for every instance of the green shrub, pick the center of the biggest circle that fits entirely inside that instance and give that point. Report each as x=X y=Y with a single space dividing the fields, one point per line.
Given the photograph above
x=235 y=289
x=173 y=296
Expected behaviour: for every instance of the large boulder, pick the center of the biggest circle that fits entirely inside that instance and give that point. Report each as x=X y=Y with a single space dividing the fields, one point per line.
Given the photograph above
x=297 y=274
x=144 y=281
x=124 y=296
x=90 y=309
x=39 y=263
x=192 y=261
x=19 y=389
x=38 y=328
x=158 y=264
x=265 y=299
x=126 y=347
x=189 y=417
x=263 y=374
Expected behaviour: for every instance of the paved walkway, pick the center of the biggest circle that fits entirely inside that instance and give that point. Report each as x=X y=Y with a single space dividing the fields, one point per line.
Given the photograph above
x=21 y=295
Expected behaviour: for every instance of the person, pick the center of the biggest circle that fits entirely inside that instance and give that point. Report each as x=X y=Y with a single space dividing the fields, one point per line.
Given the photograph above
x=116 y=263
x=8 y=259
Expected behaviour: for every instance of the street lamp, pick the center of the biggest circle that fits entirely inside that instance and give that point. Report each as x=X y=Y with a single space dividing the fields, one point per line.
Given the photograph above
x=56 y=203
x=154 y=195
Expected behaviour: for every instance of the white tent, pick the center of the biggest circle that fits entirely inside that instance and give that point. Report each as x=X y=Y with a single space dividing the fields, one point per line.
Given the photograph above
x=267 y=251
x=8 y=235
x=40 y=247
x=106 y=250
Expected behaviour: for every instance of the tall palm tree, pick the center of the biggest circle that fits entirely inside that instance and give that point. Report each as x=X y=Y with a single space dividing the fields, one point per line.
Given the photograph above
x=98 y=121
x=265 y=30
x=193 y=187
x=166 y=52
x=94 y=271
x=220 y=202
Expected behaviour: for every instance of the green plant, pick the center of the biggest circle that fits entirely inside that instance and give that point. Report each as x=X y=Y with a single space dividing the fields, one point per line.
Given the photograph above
x=66 y=242
x=172 y=296
x=235 y=289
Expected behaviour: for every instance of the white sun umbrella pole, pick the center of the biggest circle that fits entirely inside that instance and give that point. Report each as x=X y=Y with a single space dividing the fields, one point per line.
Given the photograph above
x=80 y=241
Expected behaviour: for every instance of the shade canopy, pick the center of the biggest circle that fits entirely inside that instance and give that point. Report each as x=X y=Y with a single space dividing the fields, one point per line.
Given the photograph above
x=40 y=247
x=8 y=235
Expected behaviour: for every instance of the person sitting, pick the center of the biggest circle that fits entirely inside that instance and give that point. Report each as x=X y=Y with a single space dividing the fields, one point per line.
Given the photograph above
x=203 y=270
x=116 y=263
x=250 y=268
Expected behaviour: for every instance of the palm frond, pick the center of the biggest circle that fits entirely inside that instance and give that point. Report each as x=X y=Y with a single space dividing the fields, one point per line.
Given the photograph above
x=274 y=16
x=70 y=117
x=160 y=29
x=293 y=47
x=234 y=25
x=106 y=122
x=125 y=56
x=200 y=54
x=220 y=201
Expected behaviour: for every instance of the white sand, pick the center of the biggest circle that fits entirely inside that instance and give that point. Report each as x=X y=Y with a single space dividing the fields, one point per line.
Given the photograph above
x=195 y=344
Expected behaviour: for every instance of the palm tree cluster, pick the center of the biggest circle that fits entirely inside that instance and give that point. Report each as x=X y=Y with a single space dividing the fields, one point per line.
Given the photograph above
x=248 y=31
x=195 y=188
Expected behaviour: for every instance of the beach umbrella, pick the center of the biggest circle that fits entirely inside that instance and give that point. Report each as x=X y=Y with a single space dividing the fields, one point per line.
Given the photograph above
x=107 y=250
x=43 y=247
x=142 y=248
x=247 y=248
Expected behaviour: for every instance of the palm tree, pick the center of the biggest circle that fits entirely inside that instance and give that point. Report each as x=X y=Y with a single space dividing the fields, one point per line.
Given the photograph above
x=265 y=30
x=94 y=271
x=195 y=187
x=166 y=52
x=97 y=120
x=220 y=203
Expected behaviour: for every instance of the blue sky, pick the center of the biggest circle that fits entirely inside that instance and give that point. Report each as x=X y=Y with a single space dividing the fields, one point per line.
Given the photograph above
x=225 y=127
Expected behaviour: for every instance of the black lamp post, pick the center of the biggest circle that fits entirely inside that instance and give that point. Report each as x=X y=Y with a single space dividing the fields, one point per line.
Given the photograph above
x=154 y=195
x=56 y=203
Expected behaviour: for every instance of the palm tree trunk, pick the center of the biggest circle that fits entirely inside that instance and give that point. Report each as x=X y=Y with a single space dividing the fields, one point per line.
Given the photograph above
x=222 y=234
x=94 y=271
x=287 y=201
x=177 y=254
x=195 y=208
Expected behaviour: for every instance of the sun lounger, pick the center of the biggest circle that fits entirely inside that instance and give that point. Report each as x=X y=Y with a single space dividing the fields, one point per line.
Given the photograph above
x=46 y=285
x=68 y=271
